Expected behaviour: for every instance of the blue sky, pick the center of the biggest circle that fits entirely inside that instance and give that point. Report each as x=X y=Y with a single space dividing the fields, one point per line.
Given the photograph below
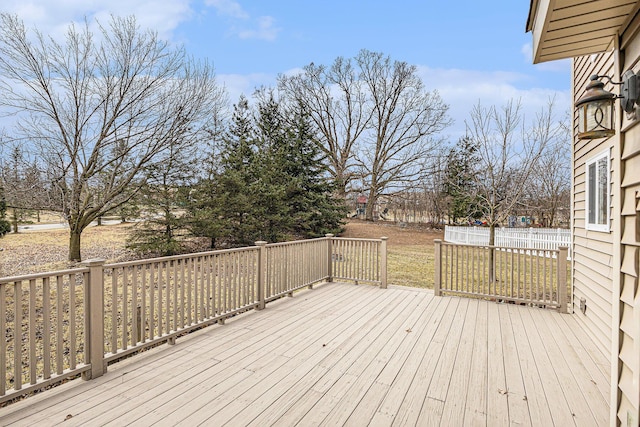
x=470 y=51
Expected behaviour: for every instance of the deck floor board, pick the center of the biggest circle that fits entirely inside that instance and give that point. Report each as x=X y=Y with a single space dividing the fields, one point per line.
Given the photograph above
x=344 y=354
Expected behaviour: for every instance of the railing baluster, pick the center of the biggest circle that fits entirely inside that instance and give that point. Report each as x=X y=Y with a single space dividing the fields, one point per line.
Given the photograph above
x=143 y=303
x=194 y=289
x=32 y=331
x=59 y=330
x=114 y=311
x=135 y=337
x=17 y=336
x=182 y=295
x=125 y=306
x=72 y=321
x=207 y=260
x=152 y=301
x=168 y=292
x=174 y=264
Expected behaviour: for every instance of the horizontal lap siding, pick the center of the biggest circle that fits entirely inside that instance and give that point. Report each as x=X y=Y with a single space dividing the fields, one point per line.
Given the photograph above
x=593 y=263
x=629 y=348
x=628 y=363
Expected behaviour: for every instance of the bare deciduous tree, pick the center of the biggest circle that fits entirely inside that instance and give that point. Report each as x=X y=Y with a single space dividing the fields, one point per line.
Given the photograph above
x=337 y=104
x=551 y=179
x=507 y=152
x=100 y=108
x=405 y=124
x=24 y=188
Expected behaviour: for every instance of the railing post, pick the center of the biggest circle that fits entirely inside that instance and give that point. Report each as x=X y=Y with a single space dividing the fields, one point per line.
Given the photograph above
x=94 y=318
x=562 y=278
x=438 y=261
x=262 y=279
x=329 y=257
x=383 y=262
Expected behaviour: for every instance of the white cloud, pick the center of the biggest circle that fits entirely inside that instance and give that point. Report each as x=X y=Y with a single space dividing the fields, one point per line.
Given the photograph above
x=243 y=25
x=239 y=84
x=53 y=18
x=228 y=8
x=265 y=30
x=462 y=89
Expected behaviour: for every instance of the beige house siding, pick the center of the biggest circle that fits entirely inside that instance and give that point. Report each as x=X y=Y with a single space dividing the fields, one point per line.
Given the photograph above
x=593 y=264
x=628 y=361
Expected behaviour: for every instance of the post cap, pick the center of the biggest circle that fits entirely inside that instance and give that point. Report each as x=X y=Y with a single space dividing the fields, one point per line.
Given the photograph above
x=93 y=262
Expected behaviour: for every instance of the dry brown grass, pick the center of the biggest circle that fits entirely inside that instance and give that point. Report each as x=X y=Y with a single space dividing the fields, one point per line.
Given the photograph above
x=410 y=252
x=39 y=251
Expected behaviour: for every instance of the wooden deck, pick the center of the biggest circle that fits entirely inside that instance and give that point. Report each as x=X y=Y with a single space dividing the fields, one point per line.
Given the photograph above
x=345 y=354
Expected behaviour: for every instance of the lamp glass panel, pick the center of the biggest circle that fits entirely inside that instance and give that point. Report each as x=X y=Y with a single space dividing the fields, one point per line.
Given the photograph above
x=599 y=115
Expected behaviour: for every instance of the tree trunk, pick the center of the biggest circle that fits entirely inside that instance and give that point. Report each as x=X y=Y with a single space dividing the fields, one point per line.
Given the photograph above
x=74 y=245
x=14 y=221
x=492 y=240
x=369 y=208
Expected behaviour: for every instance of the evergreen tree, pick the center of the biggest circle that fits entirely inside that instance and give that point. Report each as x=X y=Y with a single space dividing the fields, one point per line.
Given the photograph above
x=273 y=208
x=5 y=226
x=459 y=181
x=270 y=183
x=315 y=208
x=163 y=230
x=221 y=206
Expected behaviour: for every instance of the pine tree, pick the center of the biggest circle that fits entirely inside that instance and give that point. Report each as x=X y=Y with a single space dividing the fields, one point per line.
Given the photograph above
x=459 y=181
x=270 y=183
x=315 y=208
x=273 y=208
x=5 y=226
x=163 y=231
x=221 y=206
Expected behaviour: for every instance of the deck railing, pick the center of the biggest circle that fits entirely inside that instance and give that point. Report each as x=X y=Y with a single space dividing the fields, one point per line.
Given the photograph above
x=360 y=260
x=66 y=323
x=521 y=275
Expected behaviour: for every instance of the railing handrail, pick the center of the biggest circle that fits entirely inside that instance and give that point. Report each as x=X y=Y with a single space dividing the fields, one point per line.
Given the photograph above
x=355 y=239
x=36 y=276
x=516 y=248
x=178 y=257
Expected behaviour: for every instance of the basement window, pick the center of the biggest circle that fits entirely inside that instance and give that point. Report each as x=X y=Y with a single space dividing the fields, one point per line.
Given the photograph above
x=598 y=172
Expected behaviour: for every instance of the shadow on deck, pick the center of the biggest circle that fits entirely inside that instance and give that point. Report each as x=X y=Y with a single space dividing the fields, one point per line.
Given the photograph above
x=351 y=354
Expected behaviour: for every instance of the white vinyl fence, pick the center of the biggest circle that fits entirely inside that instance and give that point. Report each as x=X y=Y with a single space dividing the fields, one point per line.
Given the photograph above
x=525 y=238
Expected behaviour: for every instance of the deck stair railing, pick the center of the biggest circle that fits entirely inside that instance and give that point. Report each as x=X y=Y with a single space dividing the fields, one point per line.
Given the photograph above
x=63 y=324
x=519 y=275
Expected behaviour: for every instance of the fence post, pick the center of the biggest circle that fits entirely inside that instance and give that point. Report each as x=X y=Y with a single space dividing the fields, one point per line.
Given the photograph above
x=94 y=319
x=383 y=262
x=562 y=278
x=262 y=279
x=329 y=257
x=438 y=261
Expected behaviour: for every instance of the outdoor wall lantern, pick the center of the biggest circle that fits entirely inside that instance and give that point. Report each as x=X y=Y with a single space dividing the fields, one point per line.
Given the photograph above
x=595 y=108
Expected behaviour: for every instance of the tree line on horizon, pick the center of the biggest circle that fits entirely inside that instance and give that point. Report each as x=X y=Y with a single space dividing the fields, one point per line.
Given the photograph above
x=122 y=123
